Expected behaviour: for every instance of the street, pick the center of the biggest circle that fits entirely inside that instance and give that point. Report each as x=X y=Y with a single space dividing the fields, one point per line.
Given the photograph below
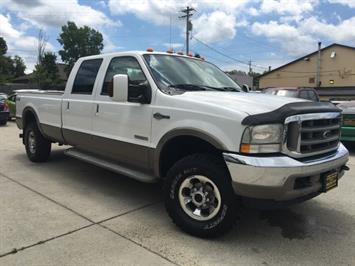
x=66 y=212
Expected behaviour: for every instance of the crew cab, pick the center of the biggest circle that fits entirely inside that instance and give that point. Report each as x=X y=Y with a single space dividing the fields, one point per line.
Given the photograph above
x=159 y=116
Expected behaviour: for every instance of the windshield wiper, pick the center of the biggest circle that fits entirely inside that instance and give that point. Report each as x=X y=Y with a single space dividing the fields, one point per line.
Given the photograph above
x=194 y=87
x=188 y=87
x=229 y=89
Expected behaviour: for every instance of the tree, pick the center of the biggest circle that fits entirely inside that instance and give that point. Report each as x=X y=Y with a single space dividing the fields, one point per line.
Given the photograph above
x=10 y=68
x=45 y=74
x=18 y=66
x=41 y=45
x=78 y=42
x=3 y=46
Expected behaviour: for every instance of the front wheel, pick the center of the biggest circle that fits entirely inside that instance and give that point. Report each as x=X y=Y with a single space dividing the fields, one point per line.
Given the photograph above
x=38 y=148
x=199 y=196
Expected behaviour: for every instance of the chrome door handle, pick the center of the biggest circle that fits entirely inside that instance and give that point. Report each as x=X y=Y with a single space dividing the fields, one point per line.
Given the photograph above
x=160 y=116
x=68 y=105
x=97 y=108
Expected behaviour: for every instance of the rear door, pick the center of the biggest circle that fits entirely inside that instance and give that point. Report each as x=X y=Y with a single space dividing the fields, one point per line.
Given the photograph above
x=122 y=129
x=77 y=106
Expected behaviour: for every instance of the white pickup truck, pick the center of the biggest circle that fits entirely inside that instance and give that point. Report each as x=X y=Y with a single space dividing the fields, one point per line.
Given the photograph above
x=160 y=116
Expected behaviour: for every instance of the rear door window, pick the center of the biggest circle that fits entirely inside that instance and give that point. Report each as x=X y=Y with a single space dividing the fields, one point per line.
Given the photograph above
x=86 y=76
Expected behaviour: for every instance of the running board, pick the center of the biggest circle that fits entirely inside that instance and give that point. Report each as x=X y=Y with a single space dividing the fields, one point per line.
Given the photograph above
x=72 y=152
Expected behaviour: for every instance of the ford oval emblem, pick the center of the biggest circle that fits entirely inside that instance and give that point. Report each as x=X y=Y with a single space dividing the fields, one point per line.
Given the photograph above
x=326 y=134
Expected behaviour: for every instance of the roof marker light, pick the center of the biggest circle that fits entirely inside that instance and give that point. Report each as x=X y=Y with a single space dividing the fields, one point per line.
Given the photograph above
x=150 y=50
x=180 y=53
x=170 y=51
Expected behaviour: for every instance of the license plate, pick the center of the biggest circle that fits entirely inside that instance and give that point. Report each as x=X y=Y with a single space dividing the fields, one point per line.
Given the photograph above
x=329 y=180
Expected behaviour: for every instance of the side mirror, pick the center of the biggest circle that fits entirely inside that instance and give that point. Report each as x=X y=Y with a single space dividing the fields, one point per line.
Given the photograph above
x=140 y=93
x=245 y=88
x=120 y=88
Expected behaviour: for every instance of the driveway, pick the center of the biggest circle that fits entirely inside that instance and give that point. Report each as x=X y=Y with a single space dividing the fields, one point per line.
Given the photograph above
x=66 y=212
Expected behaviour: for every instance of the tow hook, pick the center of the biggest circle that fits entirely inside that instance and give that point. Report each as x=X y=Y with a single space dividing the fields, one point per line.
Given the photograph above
x=345 y=168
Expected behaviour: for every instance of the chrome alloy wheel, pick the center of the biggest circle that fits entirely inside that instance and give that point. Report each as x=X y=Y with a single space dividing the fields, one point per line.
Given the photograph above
x=31 y=142
x=199 y=197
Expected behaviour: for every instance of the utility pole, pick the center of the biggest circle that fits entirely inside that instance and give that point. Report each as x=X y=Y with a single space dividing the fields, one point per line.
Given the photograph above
x=187 y=15
x=250 y=69
x=318 y=66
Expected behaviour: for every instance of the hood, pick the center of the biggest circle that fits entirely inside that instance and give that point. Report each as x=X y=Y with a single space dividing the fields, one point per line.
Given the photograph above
x=249 y=103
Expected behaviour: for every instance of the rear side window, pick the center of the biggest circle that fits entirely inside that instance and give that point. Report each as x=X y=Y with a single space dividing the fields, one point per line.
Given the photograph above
x=312 y=96
x=86 y=76
x=304 y=95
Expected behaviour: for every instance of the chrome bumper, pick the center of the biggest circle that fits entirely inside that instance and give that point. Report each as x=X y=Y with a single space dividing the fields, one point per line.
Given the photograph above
x=274 y=177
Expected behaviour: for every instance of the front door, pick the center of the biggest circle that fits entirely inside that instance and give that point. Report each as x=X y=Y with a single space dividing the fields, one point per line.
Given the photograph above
x=122 y=129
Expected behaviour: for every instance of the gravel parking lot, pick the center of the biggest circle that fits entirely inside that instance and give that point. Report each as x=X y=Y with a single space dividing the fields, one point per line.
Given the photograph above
x=66 y=212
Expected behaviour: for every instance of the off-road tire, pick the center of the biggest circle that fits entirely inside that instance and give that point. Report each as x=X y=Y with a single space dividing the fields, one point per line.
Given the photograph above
x=3 y=122
x=42 y=146
x=216 y=170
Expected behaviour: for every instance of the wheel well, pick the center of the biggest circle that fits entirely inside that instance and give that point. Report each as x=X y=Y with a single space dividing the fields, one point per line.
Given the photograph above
x=27 y=118
x=182 y=146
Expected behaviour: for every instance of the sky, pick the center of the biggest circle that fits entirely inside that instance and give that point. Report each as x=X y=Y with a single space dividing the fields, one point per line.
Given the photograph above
x=227 y=33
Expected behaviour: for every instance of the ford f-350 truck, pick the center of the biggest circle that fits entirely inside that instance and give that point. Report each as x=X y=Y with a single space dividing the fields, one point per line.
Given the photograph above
x=161 y=116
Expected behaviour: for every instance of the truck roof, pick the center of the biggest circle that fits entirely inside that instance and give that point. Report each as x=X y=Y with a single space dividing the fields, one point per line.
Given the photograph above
x=135 y=53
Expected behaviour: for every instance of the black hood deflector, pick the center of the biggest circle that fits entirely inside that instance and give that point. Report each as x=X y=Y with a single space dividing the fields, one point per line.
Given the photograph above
x=279 y=115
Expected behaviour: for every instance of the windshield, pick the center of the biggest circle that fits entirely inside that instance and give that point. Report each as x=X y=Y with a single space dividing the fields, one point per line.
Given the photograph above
x=184 y=73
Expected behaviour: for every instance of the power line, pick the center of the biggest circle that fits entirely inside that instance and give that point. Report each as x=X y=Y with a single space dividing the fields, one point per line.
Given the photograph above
x=227 y=56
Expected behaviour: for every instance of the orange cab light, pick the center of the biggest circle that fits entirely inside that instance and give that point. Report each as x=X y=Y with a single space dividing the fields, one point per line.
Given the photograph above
x=190 y=54
x=150 y=50
x=180 y=53
x=170 y=51
x=202 y=58
x=245 y=148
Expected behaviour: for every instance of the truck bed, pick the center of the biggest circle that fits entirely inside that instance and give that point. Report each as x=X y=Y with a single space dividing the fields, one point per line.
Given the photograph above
x=47 y=104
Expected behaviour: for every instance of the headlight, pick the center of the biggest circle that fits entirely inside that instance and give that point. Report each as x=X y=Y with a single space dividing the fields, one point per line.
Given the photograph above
x=262 y=139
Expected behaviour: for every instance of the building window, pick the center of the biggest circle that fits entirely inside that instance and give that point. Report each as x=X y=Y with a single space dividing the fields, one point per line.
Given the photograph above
x=311 y=80
x=331 y=81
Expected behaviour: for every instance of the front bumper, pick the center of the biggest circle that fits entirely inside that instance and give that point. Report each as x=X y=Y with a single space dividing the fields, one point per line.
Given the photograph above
x=275 y=178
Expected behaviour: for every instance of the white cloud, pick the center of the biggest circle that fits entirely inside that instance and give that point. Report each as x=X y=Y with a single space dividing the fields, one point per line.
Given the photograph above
x=109 y=45
x=56 y=13
x=20 y=43
x=350 y=3
x=215 y=27
x=214 y=21
x=302 y=37
x=253 y=11
x=291 y=39
x=293 y=7
x=174 y=45
x=341 y=32
x=158 y=12
x=6 y=28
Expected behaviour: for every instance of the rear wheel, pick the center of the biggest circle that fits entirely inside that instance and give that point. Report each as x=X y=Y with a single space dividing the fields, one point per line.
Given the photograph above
x=37 y=147
x=3 y=122
x=199 y=196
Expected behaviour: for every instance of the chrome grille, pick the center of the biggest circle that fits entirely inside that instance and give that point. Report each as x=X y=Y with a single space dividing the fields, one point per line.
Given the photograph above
x=311 y=134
